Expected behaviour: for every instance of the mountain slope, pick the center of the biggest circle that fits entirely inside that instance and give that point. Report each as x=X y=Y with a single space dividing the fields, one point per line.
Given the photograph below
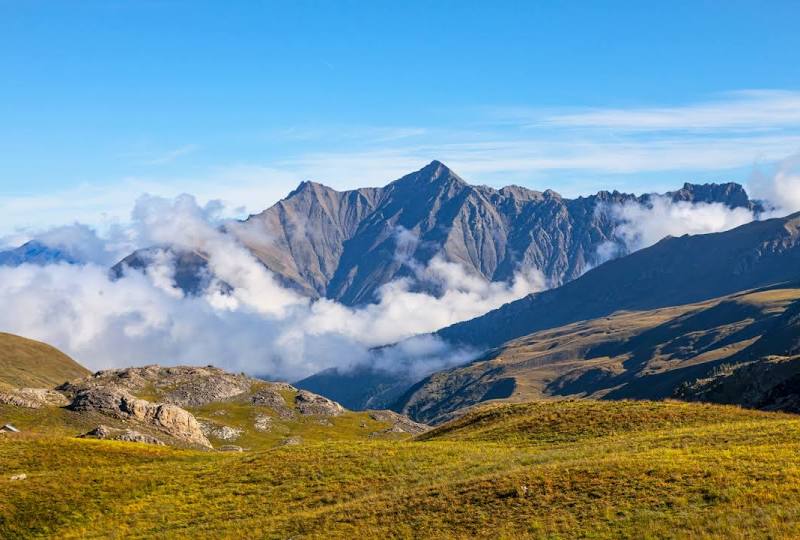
x=28 y=363
x=346 y=245
x=652 y=354
x=673 y=272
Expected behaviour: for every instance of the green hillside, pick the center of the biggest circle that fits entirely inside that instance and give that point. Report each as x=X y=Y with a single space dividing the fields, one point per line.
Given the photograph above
x=576 y=469
x=28 y=363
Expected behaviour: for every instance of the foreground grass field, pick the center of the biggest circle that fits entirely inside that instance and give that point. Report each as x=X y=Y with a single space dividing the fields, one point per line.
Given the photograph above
x=551 y=470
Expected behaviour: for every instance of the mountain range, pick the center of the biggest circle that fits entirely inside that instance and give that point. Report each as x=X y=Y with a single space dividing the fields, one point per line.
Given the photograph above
x=615 y=328
x=345 y=245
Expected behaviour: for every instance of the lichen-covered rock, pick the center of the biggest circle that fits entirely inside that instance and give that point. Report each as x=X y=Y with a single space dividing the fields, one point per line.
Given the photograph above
x=291 y=441
x=269 y=396
x=230 y=448
x=226 y=433
x=312 y=404
x=33 y=398
x=116 y=403
x=398 y=422
x=185 y=386
x=114 y=434
x=263 y=423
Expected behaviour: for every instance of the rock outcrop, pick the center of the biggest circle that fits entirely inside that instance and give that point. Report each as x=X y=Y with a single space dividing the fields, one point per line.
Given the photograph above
x=185 y=386
x=170 y=419
x=313 y=404
x=114 y=434
x=398 y=422
x=33 y=398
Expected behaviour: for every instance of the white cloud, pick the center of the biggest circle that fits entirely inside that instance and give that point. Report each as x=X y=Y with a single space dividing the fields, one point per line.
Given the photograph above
x=572 y=152
x=746 y=110
x=642 y=225
x=260 y=327
x=781 y=188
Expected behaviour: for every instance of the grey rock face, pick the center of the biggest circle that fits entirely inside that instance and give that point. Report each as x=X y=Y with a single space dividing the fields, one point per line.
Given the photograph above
x=185 y=386
x=225 y=433
x=127 y=435
x=674 y=271
x=33 y=398
x=346 y=245
x=399 y=423
x=119 y=404
x=313 y=404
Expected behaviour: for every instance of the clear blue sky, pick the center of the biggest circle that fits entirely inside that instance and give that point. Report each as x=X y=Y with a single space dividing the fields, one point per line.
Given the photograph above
x=241 y=100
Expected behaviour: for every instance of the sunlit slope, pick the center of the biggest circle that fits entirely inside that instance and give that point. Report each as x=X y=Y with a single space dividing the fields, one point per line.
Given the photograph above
x=629 y=354
x=555 y=470
x=28 y=363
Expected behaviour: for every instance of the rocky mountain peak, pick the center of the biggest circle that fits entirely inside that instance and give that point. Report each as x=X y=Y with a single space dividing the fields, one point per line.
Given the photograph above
x=342 y=244
x=308 y=186
x=434 y=173
x=729 y=193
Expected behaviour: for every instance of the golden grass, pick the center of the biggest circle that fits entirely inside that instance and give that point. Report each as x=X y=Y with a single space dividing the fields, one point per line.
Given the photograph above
x=28 y=363
x=555 y=470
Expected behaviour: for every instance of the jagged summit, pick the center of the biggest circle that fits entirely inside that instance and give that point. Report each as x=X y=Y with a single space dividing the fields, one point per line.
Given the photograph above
x=343 y=245
x=434 y=173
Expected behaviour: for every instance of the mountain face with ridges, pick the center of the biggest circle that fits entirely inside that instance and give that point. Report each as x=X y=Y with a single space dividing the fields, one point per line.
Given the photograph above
x=346 y=245
x=640 y=327
x=672 y=272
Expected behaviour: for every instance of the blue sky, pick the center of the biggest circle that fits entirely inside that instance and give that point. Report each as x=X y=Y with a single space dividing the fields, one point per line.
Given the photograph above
x=101 y=101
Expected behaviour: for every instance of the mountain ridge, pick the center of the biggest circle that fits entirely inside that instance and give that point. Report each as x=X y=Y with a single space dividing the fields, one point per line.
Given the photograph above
x=345 y=245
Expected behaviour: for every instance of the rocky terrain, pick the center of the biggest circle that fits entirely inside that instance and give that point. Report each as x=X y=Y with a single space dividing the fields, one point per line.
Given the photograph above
x=199 y=407
x=346 y=245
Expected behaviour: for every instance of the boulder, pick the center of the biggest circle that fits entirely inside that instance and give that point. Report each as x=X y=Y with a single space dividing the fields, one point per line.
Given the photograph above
x=230 y=448
x=398 y=423
x=116 y=403
x=226 y=433
x=263 y=423
x=312 y=404
x=114 y=434
x=270 y=397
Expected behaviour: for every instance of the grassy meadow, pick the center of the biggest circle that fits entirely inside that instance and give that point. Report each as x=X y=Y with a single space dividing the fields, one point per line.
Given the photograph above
x=584 y=469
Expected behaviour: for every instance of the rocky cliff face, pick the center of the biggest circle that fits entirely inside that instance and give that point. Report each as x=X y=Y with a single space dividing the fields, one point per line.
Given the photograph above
x=346 y=245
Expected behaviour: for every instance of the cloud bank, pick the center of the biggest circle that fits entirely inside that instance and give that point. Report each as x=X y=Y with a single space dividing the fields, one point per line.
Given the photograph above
x=256 y=326
x=643 y=224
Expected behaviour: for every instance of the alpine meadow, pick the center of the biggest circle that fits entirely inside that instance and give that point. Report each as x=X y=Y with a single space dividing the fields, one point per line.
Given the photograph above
x=345 y=269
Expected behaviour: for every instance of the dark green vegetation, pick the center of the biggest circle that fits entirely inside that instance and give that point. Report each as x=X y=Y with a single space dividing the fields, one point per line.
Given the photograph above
x=585 y=469
x=24 y=362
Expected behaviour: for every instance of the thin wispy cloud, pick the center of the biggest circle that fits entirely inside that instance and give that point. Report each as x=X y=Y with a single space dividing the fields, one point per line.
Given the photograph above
x=574 y=153
x=744 y=110
x=171 y=155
